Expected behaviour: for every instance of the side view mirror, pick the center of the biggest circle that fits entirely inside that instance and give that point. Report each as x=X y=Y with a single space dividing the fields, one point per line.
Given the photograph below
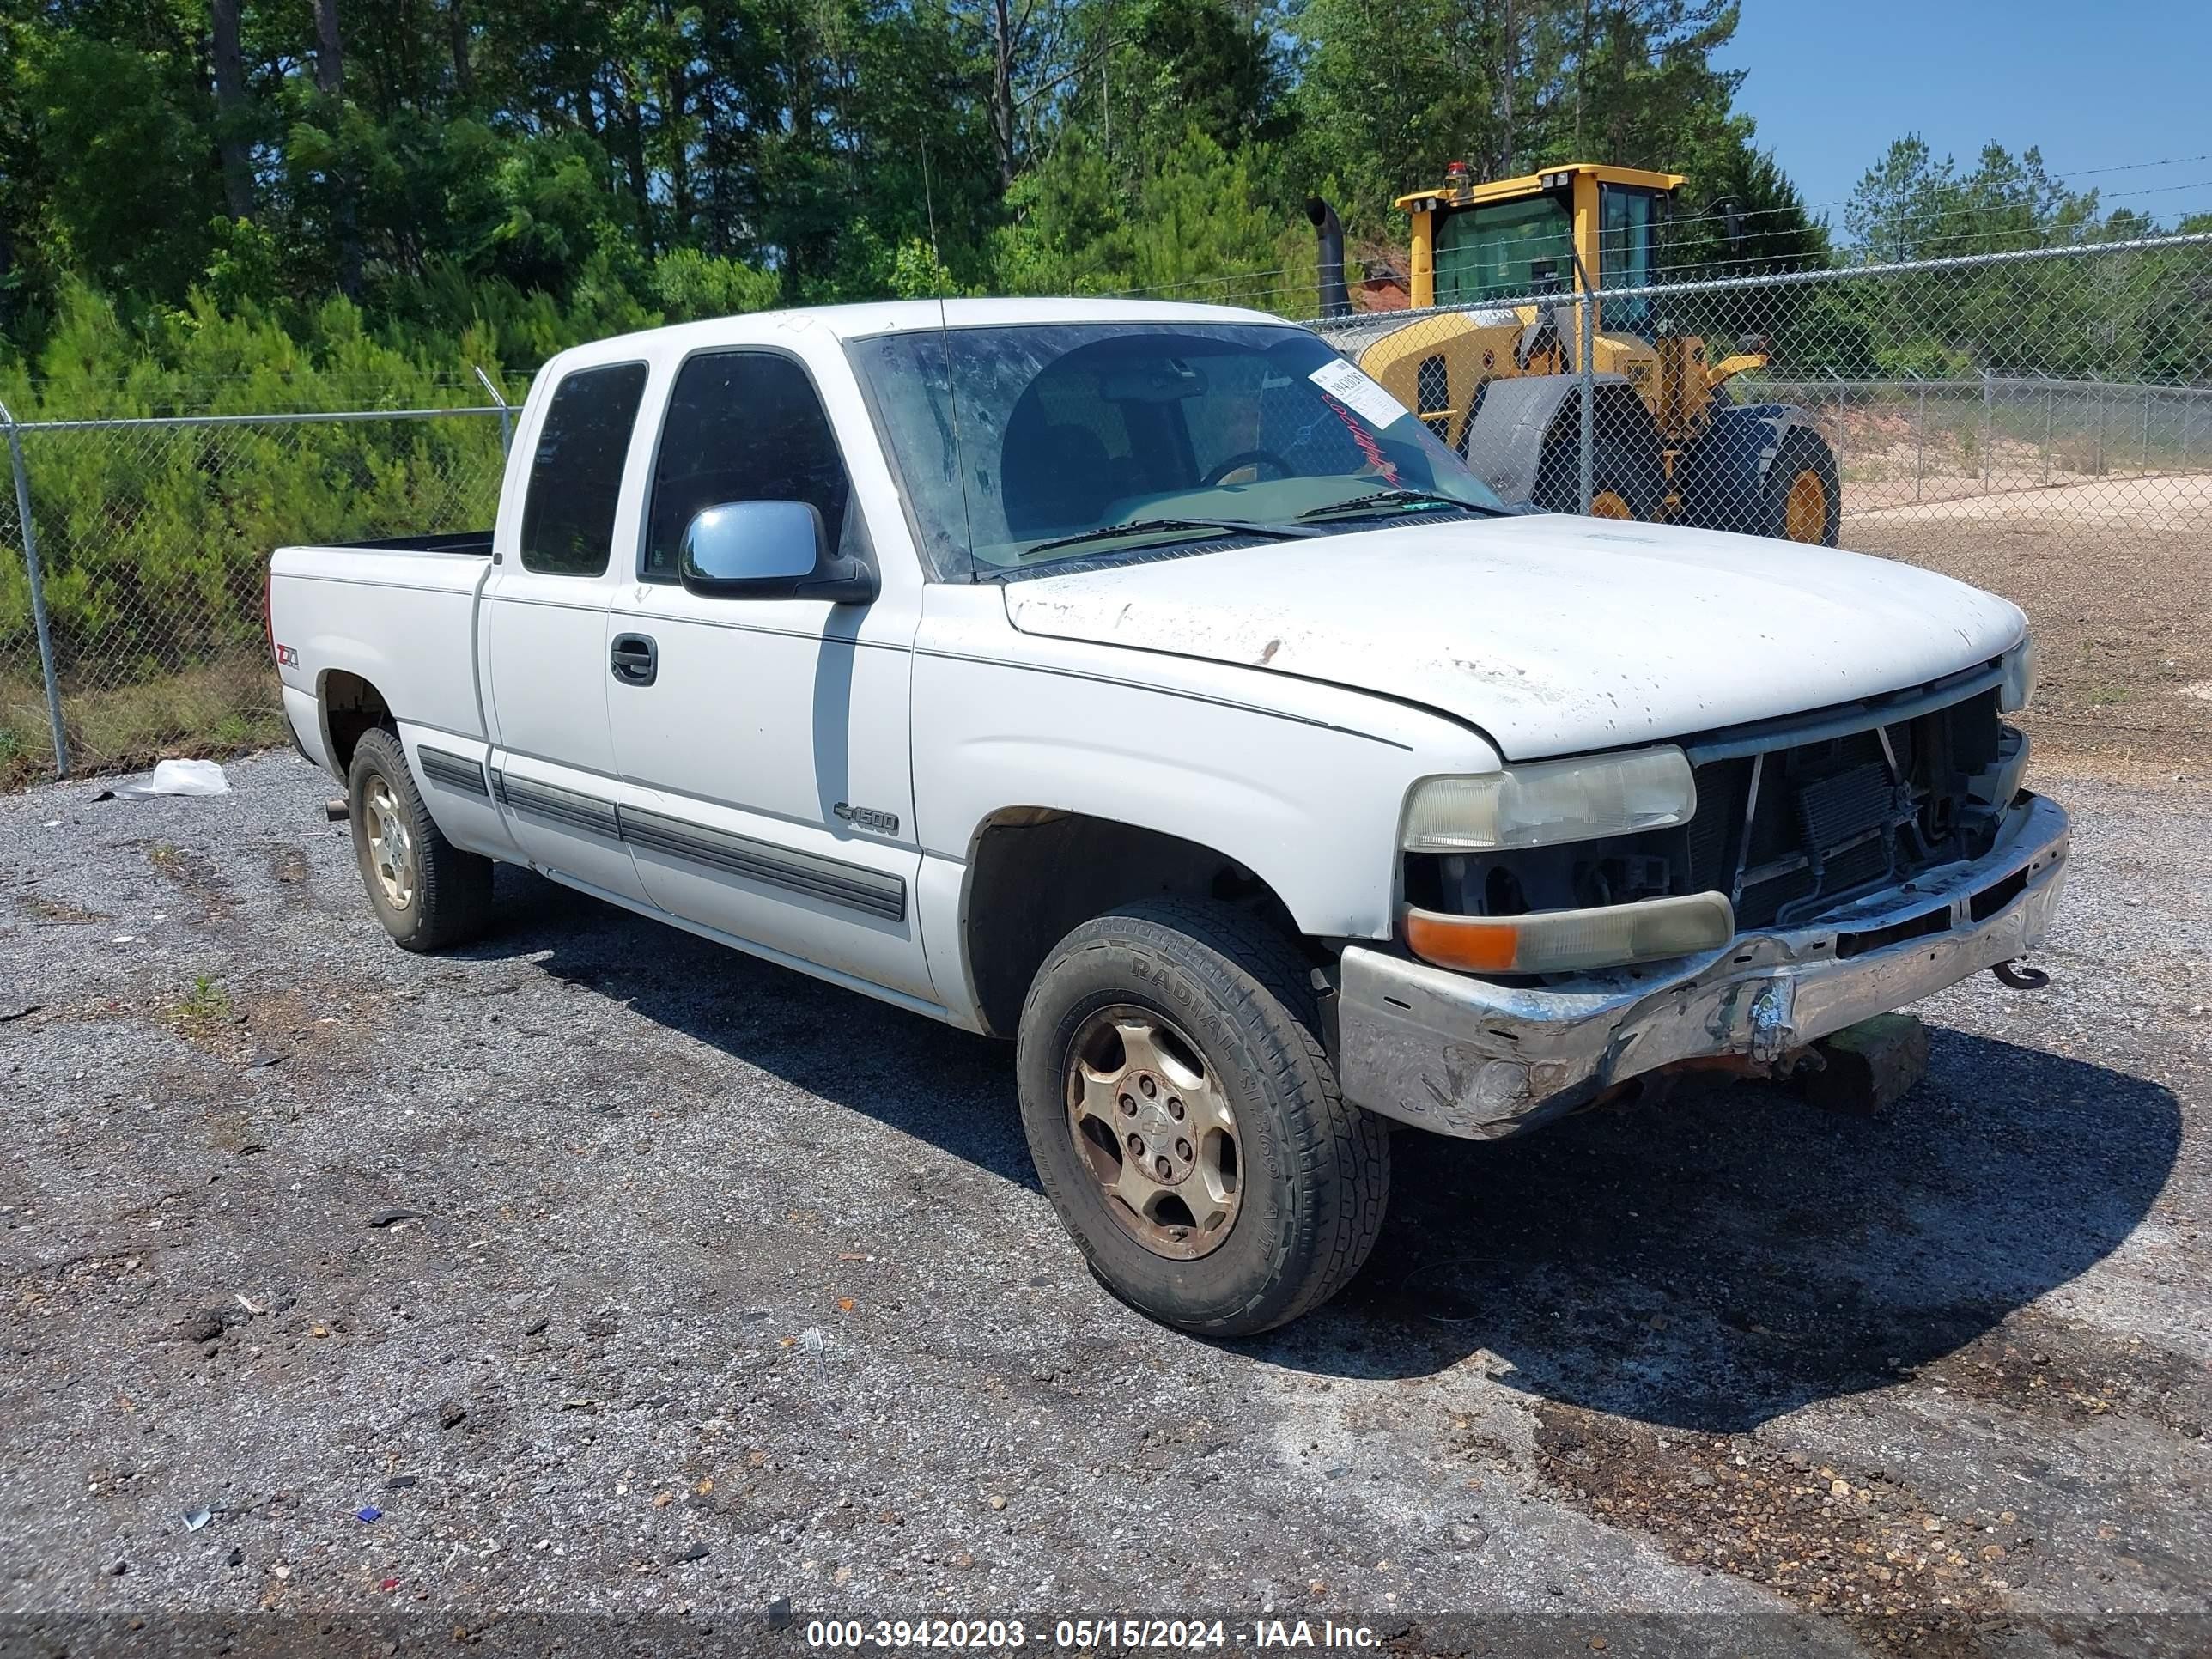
x=768 y=550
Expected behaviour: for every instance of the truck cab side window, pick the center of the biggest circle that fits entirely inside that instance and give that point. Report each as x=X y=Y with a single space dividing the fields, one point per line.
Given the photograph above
x=743 y=426
x=568 y=517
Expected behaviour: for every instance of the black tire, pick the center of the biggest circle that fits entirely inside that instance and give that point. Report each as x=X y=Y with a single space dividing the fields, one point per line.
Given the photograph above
x=1627 y=478
x=1804 y=463
x=1313 y=1172
x=446 y=900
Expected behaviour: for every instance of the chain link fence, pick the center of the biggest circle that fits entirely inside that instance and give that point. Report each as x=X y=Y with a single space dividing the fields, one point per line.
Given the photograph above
x=2039 y=423
x=2036 y=422
x=131 y=614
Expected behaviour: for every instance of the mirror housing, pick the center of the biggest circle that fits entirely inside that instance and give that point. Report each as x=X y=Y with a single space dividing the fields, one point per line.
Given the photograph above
x=768 y=550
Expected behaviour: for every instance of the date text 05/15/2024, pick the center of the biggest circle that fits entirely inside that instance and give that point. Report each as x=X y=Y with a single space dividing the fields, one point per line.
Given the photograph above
x=1088 y=1635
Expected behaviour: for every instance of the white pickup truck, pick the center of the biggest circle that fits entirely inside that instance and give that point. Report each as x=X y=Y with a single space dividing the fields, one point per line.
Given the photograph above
x=1139 y=681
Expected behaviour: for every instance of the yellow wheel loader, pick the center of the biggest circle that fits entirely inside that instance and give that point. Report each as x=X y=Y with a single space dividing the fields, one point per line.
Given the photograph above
x=1498 y=374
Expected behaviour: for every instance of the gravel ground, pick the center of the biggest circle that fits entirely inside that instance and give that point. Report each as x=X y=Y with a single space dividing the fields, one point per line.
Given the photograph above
x=728 y=1287
x=2113 y=574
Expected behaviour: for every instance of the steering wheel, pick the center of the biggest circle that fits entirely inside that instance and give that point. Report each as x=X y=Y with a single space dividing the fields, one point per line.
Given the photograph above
x=1221 y=470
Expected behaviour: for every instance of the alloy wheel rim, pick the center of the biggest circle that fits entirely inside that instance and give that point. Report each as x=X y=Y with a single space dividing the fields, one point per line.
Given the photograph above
x=391 y=847
x=1153 y=1127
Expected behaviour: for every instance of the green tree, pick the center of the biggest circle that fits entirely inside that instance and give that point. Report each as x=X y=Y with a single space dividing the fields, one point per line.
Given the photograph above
x=1909 y=205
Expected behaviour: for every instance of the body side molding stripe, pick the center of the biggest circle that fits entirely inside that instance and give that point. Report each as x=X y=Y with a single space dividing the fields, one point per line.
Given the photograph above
x=851 y=885
x=454 y=771
x=567 y=806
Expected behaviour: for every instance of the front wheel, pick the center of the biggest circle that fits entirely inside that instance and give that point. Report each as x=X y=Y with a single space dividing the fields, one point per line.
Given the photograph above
x=1627 y=480
x=1185 y=1123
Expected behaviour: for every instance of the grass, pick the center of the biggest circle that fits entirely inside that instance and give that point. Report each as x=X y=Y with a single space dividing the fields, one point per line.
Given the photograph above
x=218 y=709
x=206 y=1004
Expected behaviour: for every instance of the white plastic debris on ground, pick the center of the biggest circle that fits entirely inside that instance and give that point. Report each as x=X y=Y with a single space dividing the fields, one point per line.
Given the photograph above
x=176 y=777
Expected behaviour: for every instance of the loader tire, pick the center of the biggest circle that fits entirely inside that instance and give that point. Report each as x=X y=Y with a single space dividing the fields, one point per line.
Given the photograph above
x=1802 y=495
x=1627 y=481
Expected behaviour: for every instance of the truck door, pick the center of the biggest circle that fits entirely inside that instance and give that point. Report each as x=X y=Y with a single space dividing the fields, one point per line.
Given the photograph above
x=544 y=634
x=770 y=788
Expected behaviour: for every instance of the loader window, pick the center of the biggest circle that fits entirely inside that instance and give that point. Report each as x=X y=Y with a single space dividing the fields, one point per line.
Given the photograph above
x=1624 y=254
x=1504 y=250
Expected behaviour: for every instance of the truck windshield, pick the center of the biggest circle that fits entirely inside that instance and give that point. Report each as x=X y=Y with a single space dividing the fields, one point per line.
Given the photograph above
x=1026 y=445
x=1504 y=250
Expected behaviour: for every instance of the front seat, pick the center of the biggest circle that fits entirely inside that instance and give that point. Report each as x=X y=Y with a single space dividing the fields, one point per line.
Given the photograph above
x=1056 y=478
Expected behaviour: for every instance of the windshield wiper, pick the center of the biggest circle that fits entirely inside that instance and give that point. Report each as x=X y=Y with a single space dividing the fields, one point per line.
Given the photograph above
x=1160 y=526
x=1405 y=498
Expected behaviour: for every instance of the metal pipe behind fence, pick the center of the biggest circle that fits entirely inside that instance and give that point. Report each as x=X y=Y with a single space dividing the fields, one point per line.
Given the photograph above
x=506 y=414
x=38 y=591
x=2146 y=453
x=1843 y=275
x=2046 y=438
x=2097 y=467
x=1589 y=437
x=288 y=419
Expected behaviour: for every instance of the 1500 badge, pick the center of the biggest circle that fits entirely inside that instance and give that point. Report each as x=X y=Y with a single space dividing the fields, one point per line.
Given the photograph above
x=866 y=817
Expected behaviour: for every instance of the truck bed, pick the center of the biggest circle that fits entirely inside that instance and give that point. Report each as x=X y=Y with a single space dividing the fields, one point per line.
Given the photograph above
x=398 y=611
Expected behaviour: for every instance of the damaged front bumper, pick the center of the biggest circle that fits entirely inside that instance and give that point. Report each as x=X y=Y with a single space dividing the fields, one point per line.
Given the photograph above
x=1463 y=1056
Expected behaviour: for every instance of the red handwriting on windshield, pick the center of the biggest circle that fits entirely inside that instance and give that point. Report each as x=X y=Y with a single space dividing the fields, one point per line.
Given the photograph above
x=1364 y=438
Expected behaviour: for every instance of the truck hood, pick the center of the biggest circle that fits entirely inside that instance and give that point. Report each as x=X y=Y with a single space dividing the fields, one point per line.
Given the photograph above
x=1553 y=634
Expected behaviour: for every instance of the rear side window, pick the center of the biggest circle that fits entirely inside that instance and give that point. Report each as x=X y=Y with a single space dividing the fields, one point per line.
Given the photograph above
x=568 y=517
x=743 y=426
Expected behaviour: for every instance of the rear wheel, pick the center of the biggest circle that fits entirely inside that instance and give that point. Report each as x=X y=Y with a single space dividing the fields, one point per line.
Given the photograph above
x=1185 y=1123
x=1803 y=492
x=427 y=892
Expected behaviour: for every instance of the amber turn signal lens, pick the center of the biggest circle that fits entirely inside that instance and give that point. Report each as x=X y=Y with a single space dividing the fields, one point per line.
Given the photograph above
x=1474 y=945
x=1563 y=941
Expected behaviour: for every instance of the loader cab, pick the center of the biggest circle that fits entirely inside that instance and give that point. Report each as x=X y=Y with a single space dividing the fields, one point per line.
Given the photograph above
x=1513 y=237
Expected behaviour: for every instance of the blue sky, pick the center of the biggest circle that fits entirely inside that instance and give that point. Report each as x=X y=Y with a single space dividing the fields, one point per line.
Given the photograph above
x=1832 y=82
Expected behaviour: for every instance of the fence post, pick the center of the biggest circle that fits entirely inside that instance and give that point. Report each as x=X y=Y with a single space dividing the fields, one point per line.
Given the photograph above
x=2098 y=469
x=2146 y=454
x=1920 y=442
x=506 y=413
x=1587 y=368
x=38 y=591
x=1987 y=394
x=1838 y=380
x=2046 y=436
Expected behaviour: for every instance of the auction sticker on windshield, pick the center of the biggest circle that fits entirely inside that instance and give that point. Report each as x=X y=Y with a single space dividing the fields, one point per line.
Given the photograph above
x=1358 y=393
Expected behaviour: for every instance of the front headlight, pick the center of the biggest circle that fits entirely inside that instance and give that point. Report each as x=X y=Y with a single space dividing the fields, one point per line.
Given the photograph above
x=2017 y=689
x=1553 y=801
